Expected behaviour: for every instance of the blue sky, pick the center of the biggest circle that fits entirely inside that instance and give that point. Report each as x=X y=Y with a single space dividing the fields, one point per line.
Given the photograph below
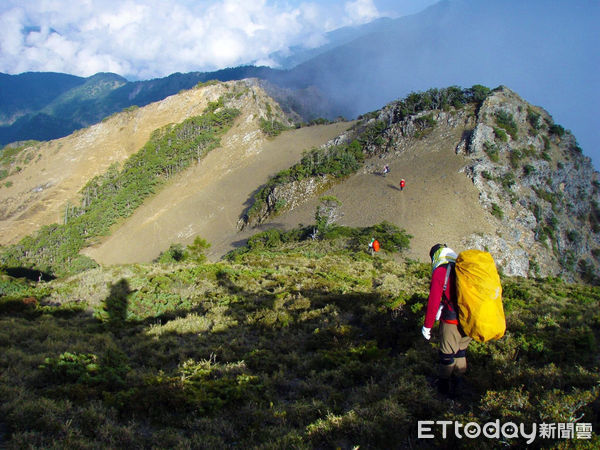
x=143 y=39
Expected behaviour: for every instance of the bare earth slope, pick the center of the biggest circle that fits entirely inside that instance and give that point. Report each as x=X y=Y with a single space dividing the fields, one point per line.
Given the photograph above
x=438 y=204
x=209 y=198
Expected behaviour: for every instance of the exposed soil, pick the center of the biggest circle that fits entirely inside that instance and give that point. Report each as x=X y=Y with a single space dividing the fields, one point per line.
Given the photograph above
x=438 y=203
x=209 y=198
x=40 y=192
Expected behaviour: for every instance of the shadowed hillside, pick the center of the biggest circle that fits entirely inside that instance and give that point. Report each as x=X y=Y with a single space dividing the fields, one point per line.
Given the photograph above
x=311 y=344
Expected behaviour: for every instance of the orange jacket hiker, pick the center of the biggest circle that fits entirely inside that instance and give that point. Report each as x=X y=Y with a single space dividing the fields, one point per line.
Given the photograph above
x=376 y=245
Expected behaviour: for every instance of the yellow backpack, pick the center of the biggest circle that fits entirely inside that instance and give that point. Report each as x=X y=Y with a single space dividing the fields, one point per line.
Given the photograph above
x=479 y=292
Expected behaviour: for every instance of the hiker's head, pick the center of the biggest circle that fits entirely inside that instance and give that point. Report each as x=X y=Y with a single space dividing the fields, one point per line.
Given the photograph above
x=434 y=249
x=441 y=254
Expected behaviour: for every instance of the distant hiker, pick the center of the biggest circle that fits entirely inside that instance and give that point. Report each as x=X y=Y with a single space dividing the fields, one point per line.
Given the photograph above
x=402 y=184
x=374 y=246
x=386 y=170
x=442 y=306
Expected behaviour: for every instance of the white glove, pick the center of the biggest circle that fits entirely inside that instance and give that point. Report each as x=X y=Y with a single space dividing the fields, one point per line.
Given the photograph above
x=439 y=313
x=426 y=332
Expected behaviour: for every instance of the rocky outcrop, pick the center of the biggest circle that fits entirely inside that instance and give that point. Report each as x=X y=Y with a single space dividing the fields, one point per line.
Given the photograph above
x=285 y=197
x=541 y=193
x=541 y=189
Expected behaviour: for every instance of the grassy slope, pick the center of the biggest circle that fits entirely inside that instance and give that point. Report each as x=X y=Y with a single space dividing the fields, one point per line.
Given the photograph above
x=307 y=346
x=59 y=169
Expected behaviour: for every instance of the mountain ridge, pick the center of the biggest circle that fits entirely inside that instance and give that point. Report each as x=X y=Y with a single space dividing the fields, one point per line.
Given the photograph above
x=533 y=225
x=459 y=42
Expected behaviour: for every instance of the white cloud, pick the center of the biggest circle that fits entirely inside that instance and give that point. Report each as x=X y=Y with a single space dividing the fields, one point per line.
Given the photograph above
x=361 y=11
x=151 y=38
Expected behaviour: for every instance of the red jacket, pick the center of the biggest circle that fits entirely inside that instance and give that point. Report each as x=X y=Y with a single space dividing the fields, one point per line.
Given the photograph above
x=435 y=297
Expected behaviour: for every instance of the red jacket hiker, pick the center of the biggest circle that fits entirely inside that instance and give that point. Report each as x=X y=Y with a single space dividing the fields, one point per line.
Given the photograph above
x=435 y=298
x=453 y=343
x=402 y=184
x=376 y=245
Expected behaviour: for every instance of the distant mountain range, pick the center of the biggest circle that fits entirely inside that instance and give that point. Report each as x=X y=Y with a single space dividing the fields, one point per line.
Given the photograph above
x=535 y=47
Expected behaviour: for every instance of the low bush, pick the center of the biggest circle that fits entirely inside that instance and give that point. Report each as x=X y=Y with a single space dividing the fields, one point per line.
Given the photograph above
x=505 y=120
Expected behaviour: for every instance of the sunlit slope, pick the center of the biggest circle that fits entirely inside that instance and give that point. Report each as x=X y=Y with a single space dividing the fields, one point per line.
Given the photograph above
x=208 y=199
x=438 y=204
x=57 y=170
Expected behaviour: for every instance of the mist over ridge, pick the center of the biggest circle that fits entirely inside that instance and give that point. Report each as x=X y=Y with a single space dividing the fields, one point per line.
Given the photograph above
x=544 y=51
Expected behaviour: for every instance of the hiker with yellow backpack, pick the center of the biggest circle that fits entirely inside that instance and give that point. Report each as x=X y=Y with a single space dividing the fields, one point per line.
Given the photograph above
x=465 y=295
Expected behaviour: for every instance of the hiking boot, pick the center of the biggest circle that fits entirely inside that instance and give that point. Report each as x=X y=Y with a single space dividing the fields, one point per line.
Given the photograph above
x=457 y=387
x=443 y=386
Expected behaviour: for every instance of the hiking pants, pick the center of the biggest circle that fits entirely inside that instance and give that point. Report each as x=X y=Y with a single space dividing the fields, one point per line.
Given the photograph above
x=453 y=350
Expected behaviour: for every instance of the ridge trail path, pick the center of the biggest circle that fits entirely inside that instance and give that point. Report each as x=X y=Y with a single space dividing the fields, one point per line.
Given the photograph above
x=208 y=199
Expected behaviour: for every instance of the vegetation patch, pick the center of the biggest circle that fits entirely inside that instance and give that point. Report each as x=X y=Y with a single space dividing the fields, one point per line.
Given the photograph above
x=497 y=211
x=272 y=127
x=337 y=161
x=506 y=121
x=492 y=151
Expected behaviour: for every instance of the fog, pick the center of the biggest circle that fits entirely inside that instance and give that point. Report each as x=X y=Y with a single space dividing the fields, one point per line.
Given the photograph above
x=545 y=51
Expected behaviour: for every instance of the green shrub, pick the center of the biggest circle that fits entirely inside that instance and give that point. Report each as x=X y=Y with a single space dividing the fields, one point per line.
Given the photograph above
x=319 y=121
x=272 y=127
x=492 y=151
x=201 y=84
x=497 y=211
x=528 y=169
x=508 y=180
x=174 y=254
x=479 y=93
x=196 y=250
x=557 y=130
x=426 y=121
x=515 y=157
x=505 y=120
x=500 y=134
x=534 y=118
x=546 y=143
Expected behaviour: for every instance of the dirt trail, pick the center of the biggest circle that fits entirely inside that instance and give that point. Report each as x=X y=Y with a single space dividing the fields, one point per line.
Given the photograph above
x=209 y=198
x=438 y=204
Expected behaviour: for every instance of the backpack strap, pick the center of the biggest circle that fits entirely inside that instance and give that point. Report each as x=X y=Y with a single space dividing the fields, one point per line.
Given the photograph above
x=448 y=270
